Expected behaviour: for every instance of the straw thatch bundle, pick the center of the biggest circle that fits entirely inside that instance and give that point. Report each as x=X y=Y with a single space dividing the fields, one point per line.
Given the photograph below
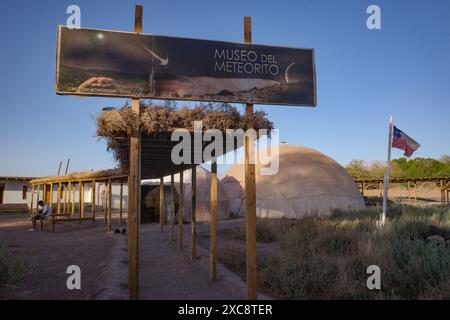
x=157 y=120
x=84 y=175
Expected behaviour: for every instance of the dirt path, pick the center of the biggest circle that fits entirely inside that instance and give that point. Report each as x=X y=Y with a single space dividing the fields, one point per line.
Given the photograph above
x=167 y=273
x=47 y=256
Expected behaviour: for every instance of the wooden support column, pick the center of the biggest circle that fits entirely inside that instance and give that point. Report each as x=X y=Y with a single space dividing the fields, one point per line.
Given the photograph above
x=93 y=200
x=37 y=197
x=161 y=204
x=213 y=223
x=51 y=196
x=442 y=192
x=121 y=203
x=73 y=199
x=409 y=192
x=250 y=188
x=415 y=192
x=109 y=205
x=69 y=200
x=106 y=203
x=32 y=199
x=180 y=212
x=134 y=189
x=81 y=200
x=64 y=190
x=193 y=213
x=172 y=206
x=58 y=201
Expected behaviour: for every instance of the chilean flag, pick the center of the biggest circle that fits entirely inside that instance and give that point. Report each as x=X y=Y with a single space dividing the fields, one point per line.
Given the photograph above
x=402 y=141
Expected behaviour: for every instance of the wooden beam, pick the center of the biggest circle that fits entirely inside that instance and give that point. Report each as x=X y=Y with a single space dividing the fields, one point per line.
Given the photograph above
x=161 y=204
x=106 y=203
x=250 y=188
x=81 y=200
x=134 y=189
x=109 y=205
x=193 y=213
x=172 y=206
x=180 y=212
x=121 y=203
x=213 y=223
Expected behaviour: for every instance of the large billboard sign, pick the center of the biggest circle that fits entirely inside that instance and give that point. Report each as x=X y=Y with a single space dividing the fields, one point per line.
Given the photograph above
x=119 y=64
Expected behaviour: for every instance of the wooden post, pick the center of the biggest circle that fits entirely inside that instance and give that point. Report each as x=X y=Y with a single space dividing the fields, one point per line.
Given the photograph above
x=409 y=192
x=442 y=192
x=106 y=203
x=58 y=201
x=250 y=188
x=415 y=192
x=69 y=200
x=121 y=203
x=51 y=196
x=134 y=189
x=37 y=197
x=81 y=200
x=161 y=204
x=93 y=200
x=64 y=190
x=180 y=212
x=172 y=206
x=213 y=223
x=193 y=213
x=109 y=205
x=32 y=199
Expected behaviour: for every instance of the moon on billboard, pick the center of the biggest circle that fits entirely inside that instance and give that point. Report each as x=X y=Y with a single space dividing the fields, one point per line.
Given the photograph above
x=290 y=75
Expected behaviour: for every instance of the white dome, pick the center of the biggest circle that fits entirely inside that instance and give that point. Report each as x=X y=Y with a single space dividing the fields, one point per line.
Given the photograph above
x=307 y=183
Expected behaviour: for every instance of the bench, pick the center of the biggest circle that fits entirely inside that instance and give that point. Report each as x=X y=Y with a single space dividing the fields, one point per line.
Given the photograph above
x=53 y=220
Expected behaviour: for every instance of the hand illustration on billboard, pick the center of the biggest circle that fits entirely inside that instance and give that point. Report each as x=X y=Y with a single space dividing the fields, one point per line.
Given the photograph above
x=97 y=82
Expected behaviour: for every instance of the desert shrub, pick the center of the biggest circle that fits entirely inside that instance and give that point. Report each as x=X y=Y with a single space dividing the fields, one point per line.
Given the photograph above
x=420 y=267
x=327 y=258
x=11 y=268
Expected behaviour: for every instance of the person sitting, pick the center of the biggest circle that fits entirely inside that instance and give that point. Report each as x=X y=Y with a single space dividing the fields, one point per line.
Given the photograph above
x=44 y=212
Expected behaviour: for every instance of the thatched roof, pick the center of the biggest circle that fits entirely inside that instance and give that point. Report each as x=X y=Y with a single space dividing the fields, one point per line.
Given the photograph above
x=83 y=176
x=158 y=122
x=161 y=119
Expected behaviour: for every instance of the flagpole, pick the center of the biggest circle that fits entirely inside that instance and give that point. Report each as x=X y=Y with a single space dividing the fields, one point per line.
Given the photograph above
x=386 y=176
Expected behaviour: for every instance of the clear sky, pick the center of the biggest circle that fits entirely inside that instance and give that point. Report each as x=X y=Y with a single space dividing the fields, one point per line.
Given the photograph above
x=362 y=75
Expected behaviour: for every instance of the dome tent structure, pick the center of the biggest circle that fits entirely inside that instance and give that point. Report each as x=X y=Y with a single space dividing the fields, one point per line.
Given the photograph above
x=307 y=183
x=204 y=197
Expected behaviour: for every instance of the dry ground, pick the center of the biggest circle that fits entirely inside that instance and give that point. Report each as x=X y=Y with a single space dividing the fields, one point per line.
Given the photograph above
x=47 y=255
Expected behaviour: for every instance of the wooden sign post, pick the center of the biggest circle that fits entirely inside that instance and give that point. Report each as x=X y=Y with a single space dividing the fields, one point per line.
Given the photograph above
x=250 y=188
x=134 y=180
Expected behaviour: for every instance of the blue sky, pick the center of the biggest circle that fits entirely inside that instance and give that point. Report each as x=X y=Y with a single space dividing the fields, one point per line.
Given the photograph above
x=362 y=75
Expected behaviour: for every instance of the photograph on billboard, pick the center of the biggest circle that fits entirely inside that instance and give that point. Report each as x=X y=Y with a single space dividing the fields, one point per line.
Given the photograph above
x=119 y=64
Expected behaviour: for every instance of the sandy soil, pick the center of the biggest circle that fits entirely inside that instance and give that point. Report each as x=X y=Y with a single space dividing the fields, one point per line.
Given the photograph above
x=47 y=256
x=425 y=194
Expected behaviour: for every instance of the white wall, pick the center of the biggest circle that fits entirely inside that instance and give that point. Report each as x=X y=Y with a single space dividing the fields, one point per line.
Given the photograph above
x=13 y=192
